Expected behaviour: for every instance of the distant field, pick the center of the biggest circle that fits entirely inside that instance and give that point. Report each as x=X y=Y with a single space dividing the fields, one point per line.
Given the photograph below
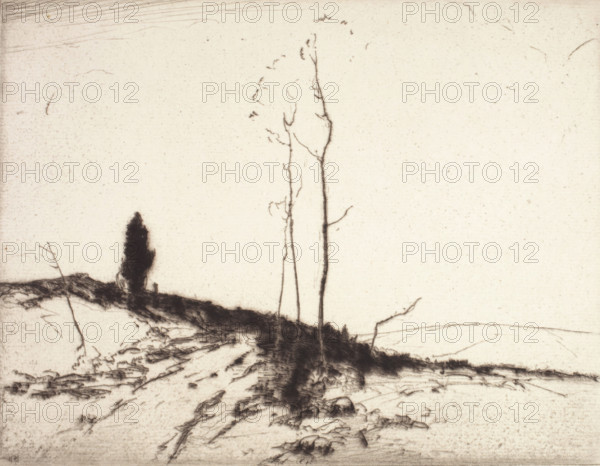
x=536 y=348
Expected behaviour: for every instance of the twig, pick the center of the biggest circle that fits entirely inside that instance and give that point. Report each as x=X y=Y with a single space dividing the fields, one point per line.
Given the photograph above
x=580 y=45
x=314 y=154
x=276 y=136
x=277 y=205
x=406 y=311
x=342 y=217
x=66 y=290
x=158 y=377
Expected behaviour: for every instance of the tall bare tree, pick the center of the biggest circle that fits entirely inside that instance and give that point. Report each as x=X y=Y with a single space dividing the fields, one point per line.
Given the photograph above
x=288 y=205
x=320 y=155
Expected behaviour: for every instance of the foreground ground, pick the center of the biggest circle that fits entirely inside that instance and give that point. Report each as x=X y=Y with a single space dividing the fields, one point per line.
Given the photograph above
x=173 y=382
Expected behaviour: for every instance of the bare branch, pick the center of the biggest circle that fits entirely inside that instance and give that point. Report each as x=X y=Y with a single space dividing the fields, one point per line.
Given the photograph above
x=276 y=136
x=254 y=96
x=286 y=123
x=314 y=154
x=66 y=291
x=278 y=205
x=342 y=217
x=397 y=314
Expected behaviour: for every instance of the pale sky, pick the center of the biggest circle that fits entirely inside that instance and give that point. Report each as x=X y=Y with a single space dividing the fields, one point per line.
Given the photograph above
x=172 y=134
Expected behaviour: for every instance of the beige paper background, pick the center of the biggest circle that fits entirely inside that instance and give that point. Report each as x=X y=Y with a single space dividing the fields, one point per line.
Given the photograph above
x=170 y=133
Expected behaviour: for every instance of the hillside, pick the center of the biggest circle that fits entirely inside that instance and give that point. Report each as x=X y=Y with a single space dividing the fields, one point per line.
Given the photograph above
x=181 y=380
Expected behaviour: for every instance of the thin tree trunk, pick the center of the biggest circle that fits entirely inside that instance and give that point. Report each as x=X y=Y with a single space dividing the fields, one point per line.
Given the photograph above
x=290 y=210
x=325 y=232
x=291 y=219
x=278 y=329
x=325 y=226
